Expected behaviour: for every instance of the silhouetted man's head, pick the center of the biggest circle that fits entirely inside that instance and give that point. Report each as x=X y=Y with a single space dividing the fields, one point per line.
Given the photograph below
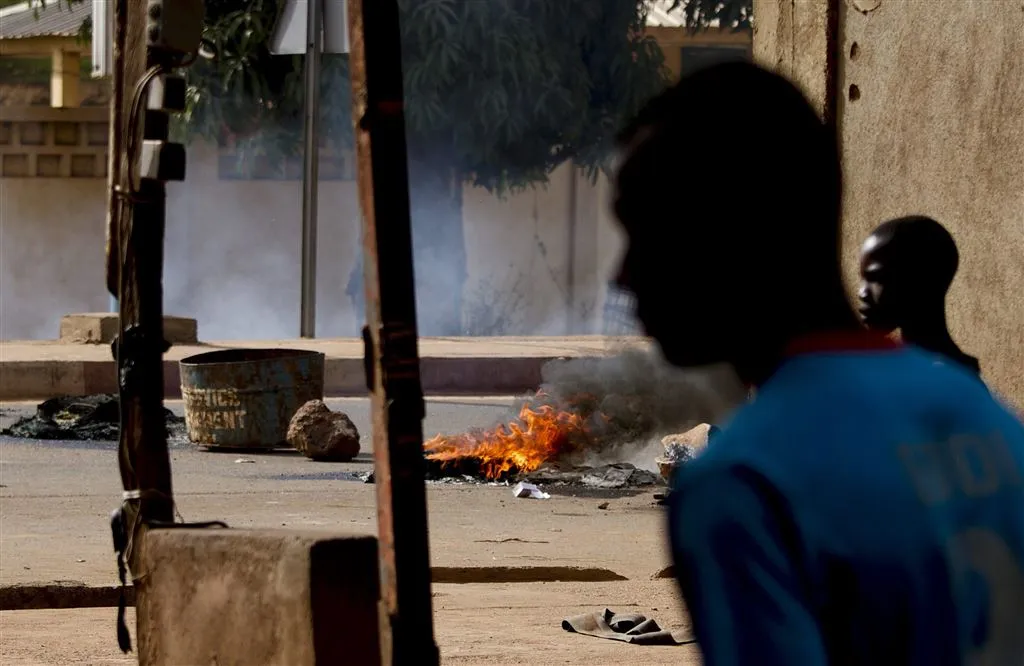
x=906 y=267
x=729 y=193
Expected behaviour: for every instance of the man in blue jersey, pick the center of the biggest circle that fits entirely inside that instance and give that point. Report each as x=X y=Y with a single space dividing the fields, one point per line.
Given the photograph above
x=867 y=505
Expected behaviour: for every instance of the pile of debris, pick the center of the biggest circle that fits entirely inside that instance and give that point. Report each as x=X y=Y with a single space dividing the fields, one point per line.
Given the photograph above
x=91 y=417
x=617 y=475
x=590 y=412
x=607 y=477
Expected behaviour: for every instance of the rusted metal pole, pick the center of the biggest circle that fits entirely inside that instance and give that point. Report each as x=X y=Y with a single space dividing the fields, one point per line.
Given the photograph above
x=391 y=340
x=311 y=166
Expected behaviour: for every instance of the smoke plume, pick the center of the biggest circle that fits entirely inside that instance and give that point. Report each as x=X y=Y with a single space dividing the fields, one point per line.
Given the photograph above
x=632 y=399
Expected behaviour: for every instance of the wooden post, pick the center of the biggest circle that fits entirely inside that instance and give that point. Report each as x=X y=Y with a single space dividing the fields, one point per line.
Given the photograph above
x=392 y=356
x=65 y=70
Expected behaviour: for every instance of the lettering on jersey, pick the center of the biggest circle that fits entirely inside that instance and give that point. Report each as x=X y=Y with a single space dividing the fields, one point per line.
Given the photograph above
x=965 y=465
x=973 y=466
x=984 y=552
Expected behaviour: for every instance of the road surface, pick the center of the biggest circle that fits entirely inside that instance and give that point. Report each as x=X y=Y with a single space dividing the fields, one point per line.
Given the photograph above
x=57 y=496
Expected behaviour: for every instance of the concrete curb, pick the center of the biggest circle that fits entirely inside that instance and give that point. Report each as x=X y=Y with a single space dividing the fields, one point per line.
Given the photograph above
x=68 y=594
x=40 y=380
x=448 y=366
x=71 y=594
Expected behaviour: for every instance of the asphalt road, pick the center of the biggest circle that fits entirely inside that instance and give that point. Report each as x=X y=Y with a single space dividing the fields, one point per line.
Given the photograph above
x=56 y=497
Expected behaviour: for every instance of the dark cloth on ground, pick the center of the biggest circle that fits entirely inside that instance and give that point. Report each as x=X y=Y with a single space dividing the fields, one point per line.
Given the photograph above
x=626 y=627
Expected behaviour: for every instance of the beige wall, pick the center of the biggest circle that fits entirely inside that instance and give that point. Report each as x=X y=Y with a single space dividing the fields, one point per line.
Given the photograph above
x=934 y=125
x=233 y=247
x=938 y=129
x=51 y=252
x=791 y=37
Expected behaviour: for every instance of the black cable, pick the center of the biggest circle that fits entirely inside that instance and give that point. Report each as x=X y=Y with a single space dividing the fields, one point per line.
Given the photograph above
x=123 y=217
x=133 y=120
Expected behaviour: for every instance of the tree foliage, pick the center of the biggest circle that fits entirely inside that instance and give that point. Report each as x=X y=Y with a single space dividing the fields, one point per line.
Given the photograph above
x=733 y=14
x=246 y=92
x=502 y=91
x=506 y=91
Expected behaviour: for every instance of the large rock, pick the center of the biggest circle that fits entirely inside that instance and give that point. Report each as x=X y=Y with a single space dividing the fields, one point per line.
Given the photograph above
x=321 y=434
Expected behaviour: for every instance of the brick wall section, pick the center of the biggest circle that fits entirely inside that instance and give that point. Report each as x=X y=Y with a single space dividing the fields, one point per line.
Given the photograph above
x=38 y=142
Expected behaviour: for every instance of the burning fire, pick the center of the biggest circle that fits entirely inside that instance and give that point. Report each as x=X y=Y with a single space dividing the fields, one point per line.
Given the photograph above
x=539 y=434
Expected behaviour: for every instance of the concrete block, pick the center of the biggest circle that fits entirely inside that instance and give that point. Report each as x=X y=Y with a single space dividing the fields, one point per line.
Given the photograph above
x=241 y=597
x=101 y=327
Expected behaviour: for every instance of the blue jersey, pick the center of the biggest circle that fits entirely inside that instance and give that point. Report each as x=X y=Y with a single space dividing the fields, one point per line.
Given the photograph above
x=867 y=507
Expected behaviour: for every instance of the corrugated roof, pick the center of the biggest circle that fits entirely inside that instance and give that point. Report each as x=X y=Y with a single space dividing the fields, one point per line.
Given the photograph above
x=54 y=20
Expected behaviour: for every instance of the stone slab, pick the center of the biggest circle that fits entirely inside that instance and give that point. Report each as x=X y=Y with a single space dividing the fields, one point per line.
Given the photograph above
x=102 y=327
x=242 y=597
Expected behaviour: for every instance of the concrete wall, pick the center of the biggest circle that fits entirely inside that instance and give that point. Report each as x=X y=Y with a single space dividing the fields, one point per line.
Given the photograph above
x=932 y=122
x=930 y=109
x=233 y=249
x=792 y=37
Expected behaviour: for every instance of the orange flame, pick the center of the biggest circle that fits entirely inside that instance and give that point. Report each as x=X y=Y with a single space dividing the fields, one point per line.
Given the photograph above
x=537 y=436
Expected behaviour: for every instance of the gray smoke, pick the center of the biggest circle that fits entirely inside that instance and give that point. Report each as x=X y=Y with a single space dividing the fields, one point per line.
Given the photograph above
x=632 y=399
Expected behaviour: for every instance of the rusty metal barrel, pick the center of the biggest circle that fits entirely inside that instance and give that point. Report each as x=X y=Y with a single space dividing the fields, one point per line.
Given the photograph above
x=245 y=398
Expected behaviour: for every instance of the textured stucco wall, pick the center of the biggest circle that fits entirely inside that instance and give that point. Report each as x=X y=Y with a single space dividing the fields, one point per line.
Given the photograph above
x=935 y=126
x=792 y=38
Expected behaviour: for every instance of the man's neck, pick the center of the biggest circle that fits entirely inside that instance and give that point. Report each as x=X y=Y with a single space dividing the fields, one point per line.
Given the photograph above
x=931 y=334
x=758 y=365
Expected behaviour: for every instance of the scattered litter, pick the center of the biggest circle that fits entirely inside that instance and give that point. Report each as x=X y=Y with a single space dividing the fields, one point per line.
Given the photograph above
x=626 y=627
x=79 y=561
x=603 y=506
x=366 y=477
x=530 y=491
x=244 y=460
